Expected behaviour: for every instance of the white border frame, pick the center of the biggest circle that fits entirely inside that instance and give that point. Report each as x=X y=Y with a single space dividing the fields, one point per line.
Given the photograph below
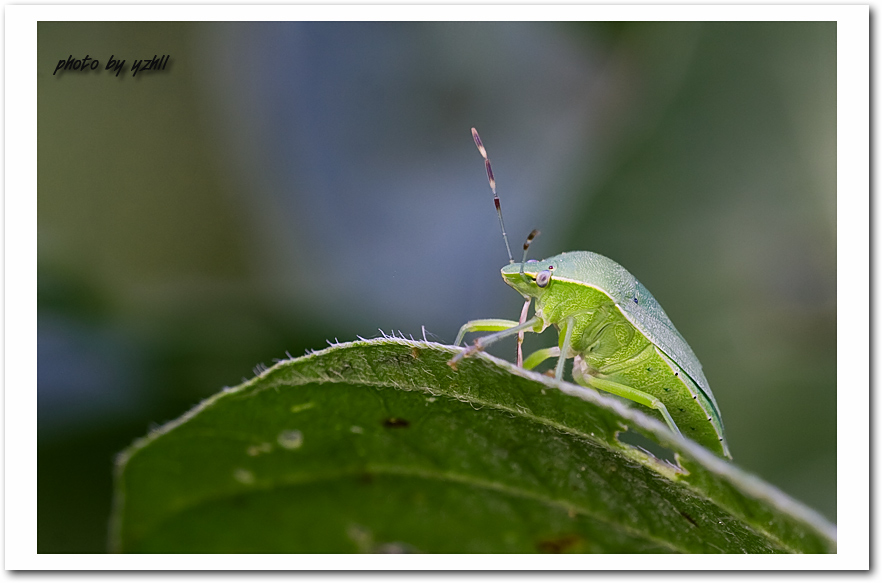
x=20 y=318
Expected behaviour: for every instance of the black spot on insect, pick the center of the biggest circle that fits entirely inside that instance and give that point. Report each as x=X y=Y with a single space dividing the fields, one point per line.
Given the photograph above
x=689 y=518
x=395 y=423
x=694 y=396
x=721 y=439
x=676 y=374
x=708 y=418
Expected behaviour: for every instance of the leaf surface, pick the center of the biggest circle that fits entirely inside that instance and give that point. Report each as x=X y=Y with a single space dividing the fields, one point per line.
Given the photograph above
x=380 y=446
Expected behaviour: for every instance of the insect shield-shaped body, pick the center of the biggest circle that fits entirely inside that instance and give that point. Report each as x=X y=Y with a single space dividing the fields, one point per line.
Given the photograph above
x=620 y=338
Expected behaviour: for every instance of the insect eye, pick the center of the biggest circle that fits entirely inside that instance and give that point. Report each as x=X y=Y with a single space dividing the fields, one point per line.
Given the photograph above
x=543 y=278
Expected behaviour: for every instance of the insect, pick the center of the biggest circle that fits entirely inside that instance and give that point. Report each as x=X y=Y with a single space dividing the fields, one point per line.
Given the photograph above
x=619 y=337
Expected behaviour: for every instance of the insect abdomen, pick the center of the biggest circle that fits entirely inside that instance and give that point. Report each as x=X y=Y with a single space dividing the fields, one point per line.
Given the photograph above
x=611 y=348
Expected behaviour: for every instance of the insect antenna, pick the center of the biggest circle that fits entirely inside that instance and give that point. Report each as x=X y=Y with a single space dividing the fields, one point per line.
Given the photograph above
x=492 y=181
x=533 y=234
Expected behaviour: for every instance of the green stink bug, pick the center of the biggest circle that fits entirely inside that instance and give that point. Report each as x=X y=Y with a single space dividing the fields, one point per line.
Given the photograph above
x=619 y=337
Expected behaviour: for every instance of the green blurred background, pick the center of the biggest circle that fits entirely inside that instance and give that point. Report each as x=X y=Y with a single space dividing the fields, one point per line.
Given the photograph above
x=284 y=184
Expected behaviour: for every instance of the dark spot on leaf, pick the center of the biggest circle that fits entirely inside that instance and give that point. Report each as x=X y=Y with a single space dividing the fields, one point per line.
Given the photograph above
x=681 y=409
x=415 y=352
x=366 y=478
x=635 y=300
x=395 y=422
x=559 y=544
x=668 y=390
x=689 y=518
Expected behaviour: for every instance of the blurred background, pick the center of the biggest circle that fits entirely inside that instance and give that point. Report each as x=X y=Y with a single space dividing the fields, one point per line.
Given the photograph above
x=280 y=185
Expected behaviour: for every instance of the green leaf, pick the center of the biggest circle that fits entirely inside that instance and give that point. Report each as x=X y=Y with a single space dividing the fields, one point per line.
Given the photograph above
x=379 y=445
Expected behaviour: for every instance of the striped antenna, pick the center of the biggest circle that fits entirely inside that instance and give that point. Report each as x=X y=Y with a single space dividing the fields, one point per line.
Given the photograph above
x=533 y=234
x=492 y=181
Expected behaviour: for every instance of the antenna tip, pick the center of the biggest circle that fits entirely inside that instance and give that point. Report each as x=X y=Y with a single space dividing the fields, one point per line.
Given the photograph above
x=479 y=143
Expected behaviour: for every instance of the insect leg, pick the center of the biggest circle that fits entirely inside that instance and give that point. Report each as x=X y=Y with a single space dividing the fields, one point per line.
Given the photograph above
x=488 y=325
x=521 y=333
x=564 y=349
x=627 y=392
x=540 y=356
x=485 y=341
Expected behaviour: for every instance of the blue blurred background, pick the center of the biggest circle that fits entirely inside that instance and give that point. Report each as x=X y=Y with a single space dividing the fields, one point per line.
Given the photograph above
x=284 y=184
